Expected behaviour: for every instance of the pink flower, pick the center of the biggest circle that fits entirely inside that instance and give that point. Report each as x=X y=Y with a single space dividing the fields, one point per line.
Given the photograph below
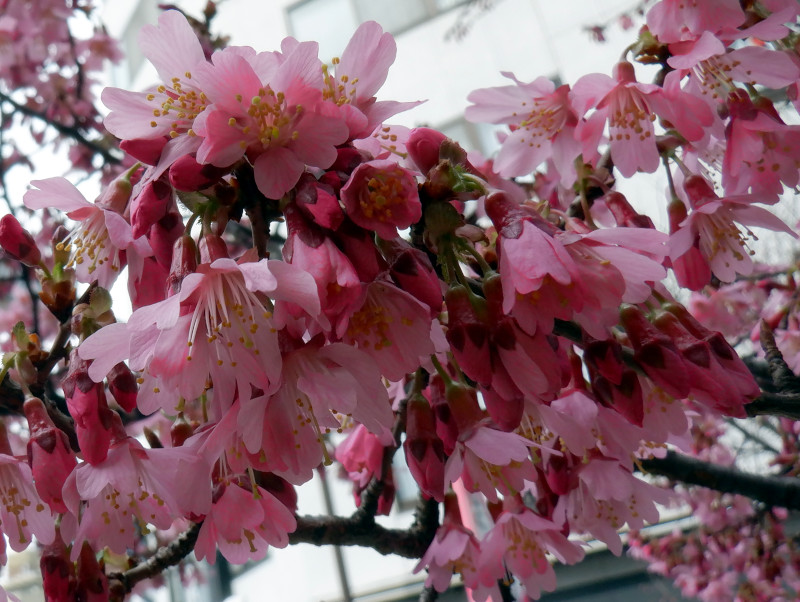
x=216 y=328
x=274 y=120
x=133 y=485
x=521 y=539
x=393 y=328
x=631 y=109
x=607 y=497
x=338 y=284
x=174 y=50
x=382 y=196
x=542 y=121
x=243 y=522
x=361 y=455
x=712 y=228
x=761 y=155
x=98 y=245
x=675 y=20
x=357 y=77
x=320 y=384
x=23 y=514
x=534 y=266
x=455 y=549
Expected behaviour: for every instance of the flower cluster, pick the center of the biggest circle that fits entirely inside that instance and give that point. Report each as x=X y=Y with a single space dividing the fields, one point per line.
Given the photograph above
x=515 y=339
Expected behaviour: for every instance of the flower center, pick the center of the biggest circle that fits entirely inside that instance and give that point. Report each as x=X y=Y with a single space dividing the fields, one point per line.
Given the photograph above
x=384 y=192
x=182 y=105
x=87 y=242
x=370 y=326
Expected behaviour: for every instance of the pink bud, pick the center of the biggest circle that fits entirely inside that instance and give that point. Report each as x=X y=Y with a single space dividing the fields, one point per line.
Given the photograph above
x=698 y=190
x=212 y=247
x=149 y=206
x=423 y=448
x=184 y=262
x=624 y=214
x=413 y=272
x=58 y=576
x=17 y=242
x=122 y=384
x=655 y=352
x=318 y=202
x=92 y=581
x=145 y=150
x=624 y=73
x=188 y=175
x=423 y=145
x=468 y=333
x=87 y=405
x=163 y=235
x=49 y=455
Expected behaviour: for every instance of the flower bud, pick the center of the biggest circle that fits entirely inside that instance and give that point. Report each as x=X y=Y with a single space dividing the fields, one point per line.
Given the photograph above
x=423 y=145
x=655 y=352
x=412 y=271
x=423 y=448
x=92 y=581
x=17 y=242
x=145 y=150
x=184 y=262
x=212 y=247
x=187 y=175
x=149 y=206
x=49 y=454
x=122 y=385
x=59 y=581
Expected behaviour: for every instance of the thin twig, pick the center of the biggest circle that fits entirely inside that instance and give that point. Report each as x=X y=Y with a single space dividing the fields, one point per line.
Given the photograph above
x=122 y=583
x=68 y=131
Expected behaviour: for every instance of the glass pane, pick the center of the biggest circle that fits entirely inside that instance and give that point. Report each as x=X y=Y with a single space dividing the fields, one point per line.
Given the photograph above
x=393 y=15
x=329 y=22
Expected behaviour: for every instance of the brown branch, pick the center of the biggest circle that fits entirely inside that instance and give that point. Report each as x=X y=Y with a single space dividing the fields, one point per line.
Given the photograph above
x=775 y=404
x=122 y=583
x=68 y=131
x=362 y=530
x=780 y=492
x=782 y=375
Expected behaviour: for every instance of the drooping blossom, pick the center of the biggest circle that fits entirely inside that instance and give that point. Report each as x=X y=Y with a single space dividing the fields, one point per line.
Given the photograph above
x=455 y=549
x=261 y=521
x=542 y=121
x=320 y=386
x=133 y=486
x=713 y=228
x=394 y=328
x=23 y=514
x=631 y=108
x=521 y=539
x=98 y=245
x=217 y=327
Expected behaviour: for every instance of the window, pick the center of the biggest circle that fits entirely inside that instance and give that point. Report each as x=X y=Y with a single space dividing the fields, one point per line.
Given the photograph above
x=331 y=22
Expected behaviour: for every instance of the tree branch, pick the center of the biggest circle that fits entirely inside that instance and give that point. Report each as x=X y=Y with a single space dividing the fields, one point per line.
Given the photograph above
x=68 y=131
x=122 y=583
x=362 y=530
x=781 y=492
